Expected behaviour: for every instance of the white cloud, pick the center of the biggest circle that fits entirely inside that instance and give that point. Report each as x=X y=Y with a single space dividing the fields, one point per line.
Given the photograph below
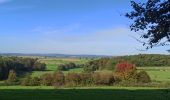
x=54 y=30
x=105 y=41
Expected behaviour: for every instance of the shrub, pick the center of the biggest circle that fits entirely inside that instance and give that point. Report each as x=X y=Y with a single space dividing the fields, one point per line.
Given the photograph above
x=26 y=81
x=29 y=81
x=39 y=66
x=103 y=78
x=73 y=79
x=91 y=66
x=35 y=81
x=71 y=65
x=65 y=67
x=12 y=78
x=143 y=77
x=86 y=79
x=61 y=67
x=47 y=79
x=58 y=79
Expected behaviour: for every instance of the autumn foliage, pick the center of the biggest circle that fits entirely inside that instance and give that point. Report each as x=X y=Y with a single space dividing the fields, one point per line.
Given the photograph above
x=124 y=67
x=125 y=71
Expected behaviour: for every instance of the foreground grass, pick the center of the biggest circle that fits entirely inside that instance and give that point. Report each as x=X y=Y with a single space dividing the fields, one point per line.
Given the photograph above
x=86 y=93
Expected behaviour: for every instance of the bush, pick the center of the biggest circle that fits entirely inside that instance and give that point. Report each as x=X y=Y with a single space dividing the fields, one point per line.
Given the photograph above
x=29 y=81
x=12 y=78
x=65 y=67
x=143 y=77
x=58 y=79
x=47 y=79
x=86 y=79
x=91 y=66
x=73 y=79
x=26 y=81
x=39 y=66
x=61 y=67
x=103 y=78
x=35 y=81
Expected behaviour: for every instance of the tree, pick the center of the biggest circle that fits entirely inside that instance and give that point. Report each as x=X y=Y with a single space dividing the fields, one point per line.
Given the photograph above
x=125 y=71
x=12 y=78
x=153 y=18
x=39 y=66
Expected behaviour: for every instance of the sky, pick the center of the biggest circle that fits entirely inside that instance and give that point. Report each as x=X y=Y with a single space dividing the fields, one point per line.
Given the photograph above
x=68 y=27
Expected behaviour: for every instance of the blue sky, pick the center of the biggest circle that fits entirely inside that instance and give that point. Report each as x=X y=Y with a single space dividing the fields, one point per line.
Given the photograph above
x=68 y=27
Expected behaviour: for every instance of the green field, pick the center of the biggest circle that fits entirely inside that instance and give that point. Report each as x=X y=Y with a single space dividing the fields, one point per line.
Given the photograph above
x=97 y=93
x=157 y=74
x=52 y=64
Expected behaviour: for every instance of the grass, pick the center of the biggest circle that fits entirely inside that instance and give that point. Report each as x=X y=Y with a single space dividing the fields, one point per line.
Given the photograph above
x=95 y=93
x=158 y=74
x=39 y=73
x=76 y=70
x=52 y=64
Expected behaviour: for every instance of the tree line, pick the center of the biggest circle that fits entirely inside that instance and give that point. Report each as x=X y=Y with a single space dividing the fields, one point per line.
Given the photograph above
x=141 y=60
x=124 y=72
x=19 y=65
x=68 y=66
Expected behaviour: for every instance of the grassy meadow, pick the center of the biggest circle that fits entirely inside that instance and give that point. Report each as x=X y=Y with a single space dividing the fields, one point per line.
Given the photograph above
x=157 y=74
x=52 y=64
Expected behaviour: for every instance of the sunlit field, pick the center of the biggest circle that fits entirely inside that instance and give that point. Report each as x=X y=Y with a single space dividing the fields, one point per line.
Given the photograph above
x=158 y=74
x=84 y=49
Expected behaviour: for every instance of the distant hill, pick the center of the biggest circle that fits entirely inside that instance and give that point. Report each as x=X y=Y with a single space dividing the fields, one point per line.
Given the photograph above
x=53 y=55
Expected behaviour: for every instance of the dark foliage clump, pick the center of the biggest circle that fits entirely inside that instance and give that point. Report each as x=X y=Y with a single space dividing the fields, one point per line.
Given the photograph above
x=19 y=65
x=65 y=67
x=153 y=19
x=143 y=77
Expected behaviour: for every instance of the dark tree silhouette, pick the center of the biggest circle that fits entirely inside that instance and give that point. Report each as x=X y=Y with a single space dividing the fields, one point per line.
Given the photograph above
x=153 y=19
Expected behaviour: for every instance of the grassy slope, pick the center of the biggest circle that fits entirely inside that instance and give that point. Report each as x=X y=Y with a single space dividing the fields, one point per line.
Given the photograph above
x=52 y=64
x=97 y=93
x=159 y=74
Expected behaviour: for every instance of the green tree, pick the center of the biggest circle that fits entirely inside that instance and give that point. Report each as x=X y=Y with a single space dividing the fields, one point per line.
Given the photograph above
x=153 y=18
x=12 y=78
